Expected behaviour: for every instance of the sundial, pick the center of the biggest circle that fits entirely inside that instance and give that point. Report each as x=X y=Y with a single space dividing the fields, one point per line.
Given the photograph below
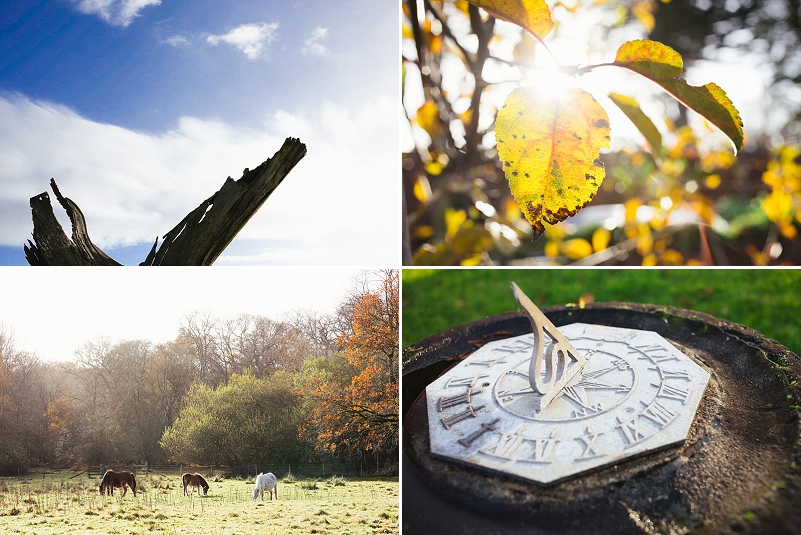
x=612 y=418
x=559 y=402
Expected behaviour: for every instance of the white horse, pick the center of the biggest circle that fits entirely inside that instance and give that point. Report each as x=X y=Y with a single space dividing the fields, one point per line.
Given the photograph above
x=266 y=481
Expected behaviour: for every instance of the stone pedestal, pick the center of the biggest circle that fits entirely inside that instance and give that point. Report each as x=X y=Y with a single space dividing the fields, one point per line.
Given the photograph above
x=737 y=472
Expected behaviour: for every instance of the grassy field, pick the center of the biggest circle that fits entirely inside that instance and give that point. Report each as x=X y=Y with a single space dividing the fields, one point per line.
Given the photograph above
x=56 y=504
x=767 y=300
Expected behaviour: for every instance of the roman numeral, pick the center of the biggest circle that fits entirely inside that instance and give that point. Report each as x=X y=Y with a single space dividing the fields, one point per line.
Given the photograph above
x=631 y=431
x=447 y=402
x=469 y=412
x=504 y=448
x=659 y=414
x=672 y=392
x=590 y=448
x=674 y=374
x=542 y=449
x=484 y=428
x=455 y=382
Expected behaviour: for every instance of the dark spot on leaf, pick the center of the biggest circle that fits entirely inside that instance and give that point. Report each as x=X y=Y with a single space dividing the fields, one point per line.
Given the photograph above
x=560 y=191
x=514 y=136
x=598 y=163
x=527 y=175
x=537 y=150
x=524 y=136
x=607 y=137
x=558 y=140
x=514 y=173
x=507 y=164
x=588 y=176
x=575 y=135
x=600 y=123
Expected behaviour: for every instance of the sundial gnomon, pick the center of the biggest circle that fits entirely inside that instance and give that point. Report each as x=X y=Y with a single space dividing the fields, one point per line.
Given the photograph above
x=553 y=404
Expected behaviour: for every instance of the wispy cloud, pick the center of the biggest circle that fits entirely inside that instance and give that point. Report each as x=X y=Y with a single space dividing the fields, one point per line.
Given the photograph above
x=115 y=12
x=313 y=46
x=249 y=38
x=339 y=206
x=177 y=40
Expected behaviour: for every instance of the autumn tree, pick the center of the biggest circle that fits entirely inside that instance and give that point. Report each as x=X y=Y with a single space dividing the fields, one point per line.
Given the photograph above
x=354 y=408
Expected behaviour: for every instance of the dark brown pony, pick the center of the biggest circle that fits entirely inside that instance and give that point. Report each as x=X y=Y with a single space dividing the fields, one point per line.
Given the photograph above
x=196 y=480
x=113 y=479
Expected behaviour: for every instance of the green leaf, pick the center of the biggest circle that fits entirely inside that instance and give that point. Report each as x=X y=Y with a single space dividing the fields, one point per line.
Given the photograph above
x=631 y=108
x=662 y=64
x=549 y=150
x=533 y=15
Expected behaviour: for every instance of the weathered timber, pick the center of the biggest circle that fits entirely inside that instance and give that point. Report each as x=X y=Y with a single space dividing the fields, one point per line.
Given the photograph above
x=51 y=246
x=198 y=240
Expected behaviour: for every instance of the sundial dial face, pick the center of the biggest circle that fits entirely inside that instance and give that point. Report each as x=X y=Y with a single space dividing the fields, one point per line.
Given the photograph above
x=631 y=392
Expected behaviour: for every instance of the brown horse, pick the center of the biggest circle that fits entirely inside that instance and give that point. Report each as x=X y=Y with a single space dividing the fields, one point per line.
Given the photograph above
x=197 y=481
x=113 y=479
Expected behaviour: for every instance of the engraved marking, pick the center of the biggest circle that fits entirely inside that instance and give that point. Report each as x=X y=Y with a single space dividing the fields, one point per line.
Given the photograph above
x=508 y=395
x=488 y=363
x=647 y=349
x=469 y=412
x=541 y=452
x=588 y=411
x=468 y=381
x=446 y=402
x=505 y=447
x=659 y=414
x=631 y=431
x=475 y=435
x=517 y=346
x=674 y=374
x=590 y=447
x=672 y=392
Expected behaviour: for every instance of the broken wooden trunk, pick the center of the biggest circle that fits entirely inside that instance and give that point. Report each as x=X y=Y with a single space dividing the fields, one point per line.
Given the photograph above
x=198 y=240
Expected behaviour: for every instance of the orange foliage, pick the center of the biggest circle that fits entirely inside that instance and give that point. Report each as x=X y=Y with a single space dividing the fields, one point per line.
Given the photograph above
x=362 y=415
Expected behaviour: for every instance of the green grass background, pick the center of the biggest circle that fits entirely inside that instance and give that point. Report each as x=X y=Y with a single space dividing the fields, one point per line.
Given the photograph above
x=768 y=300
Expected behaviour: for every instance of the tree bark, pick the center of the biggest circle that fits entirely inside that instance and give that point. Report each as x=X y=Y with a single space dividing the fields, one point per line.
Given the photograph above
x=198 y=240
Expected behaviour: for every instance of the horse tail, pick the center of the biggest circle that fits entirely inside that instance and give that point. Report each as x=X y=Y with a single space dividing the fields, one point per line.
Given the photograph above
x=103 y=482
x=133 y=483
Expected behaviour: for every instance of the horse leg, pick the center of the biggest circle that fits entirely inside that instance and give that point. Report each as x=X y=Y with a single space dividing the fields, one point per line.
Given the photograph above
x=124 y=490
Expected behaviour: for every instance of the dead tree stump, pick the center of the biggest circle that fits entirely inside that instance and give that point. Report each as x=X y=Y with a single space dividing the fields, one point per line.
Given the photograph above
x=198 y=240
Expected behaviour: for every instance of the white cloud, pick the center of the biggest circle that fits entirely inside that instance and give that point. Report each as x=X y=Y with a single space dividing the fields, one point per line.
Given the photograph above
x=249 y=38
x=339 y=206
x=115 y=12
x=177 y=40
x=313 y=46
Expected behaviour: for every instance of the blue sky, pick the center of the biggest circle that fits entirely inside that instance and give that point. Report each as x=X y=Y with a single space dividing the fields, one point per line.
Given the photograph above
x=140 y=109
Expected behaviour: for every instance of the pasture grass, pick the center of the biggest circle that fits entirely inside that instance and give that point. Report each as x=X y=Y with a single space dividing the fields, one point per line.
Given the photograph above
x=56 y=504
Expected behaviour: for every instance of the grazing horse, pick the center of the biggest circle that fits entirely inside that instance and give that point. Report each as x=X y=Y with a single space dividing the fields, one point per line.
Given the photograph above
x=113 y=479
x=266 y=481
x=197 y=481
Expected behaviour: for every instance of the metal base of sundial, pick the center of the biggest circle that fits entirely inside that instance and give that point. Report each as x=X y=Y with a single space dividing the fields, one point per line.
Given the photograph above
x=737 y=471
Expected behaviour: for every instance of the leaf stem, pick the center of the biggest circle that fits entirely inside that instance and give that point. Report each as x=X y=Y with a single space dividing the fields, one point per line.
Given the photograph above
x=538 y=38
x=588 y=68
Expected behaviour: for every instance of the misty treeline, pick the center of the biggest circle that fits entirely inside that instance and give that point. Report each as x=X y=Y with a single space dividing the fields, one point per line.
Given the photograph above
x=225 y=391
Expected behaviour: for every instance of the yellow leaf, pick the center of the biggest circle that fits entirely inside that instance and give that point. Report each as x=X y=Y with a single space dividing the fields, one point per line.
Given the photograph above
x=662 y=64
x=525 y=50
x=552 y=249
x=428 y=118
x=533 y=15
x=422 y=189
x=474 y=260
x=672 y=257
x=549 y=150
x=600 y=239
x=576 y=248
x=712 y=181
x=647 y=128
x=453 y=221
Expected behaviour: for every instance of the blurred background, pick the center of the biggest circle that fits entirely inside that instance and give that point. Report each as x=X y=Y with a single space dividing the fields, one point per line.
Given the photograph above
x=688 y=201
x=765 y=300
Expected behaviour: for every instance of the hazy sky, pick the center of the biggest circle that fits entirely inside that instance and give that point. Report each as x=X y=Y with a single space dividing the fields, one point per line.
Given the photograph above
x=52 y=312
x=141 y=108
